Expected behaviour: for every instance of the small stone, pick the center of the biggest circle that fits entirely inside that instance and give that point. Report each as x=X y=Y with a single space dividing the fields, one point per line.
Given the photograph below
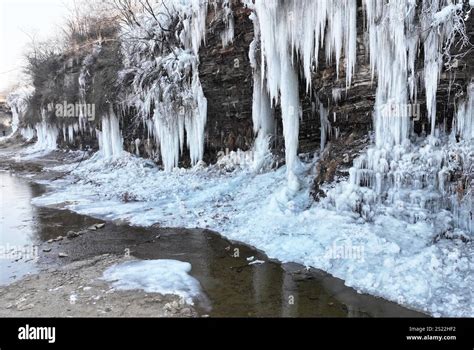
x=72 y=234
x=50 y=240
x=63 y=255
x=25 y=307
x=96 y=226
x=46 y=250
x=59 y=238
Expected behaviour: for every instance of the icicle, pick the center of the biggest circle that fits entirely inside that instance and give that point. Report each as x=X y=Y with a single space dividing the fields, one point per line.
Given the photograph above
x=325 y=126
x=433 y=60
x=464 y=121
x=167 y=133
x=291 y=114
x=336 y=95
x=301 y=26
x=197 y=32
x=47 y=136
x=196 y=123
x=263 y=124
x=28 y=133
x=110 y=138
x=262 y=113
x=389 y=47
x=172 y=106
x=227 y=35
x=137 y=147
x=70 y=132
x=15 y=118
x=18 y=102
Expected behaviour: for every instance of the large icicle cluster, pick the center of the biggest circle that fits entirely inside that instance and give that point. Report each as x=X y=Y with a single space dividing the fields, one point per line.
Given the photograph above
x=70 y=131
x=47 y=135
x=401 y=170
x=17 y=100
x=392 y=45
x=302 y=27
x=290 y=35
x=110 y=138
x=166 y=90
x=463 y=124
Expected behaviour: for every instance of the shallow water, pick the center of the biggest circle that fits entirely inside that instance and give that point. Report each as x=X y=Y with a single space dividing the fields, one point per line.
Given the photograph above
x=18 y=228
x=231 y=287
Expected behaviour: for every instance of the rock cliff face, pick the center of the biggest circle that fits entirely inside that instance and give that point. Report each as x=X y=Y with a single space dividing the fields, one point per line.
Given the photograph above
x=226 y=76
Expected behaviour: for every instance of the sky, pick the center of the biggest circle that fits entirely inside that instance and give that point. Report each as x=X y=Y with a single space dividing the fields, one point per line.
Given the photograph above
x=20 y=19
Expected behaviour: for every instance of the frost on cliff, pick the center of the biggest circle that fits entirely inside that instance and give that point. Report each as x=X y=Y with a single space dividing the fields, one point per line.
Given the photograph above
x=161 y=59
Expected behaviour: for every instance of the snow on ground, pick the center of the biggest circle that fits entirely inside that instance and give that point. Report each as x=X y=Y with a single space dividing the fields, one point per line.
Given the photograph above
x=155 y=276
x=387 y=257
x=32 y=152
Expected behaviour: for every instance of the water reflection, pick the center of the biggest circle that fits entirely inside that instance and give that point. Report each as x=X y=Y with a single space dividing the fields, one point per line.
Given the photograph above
x=18 y=229
x=23 y=226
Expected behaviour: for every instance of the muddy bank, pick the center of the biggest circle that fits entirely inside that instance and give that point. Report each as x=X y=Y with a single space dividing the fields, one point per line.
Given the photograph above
x=76 y=290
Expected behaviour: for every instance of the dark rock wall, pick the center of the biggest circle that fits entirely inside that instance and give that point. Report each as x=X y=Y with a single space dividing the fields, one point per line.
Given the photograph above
x=227 y=79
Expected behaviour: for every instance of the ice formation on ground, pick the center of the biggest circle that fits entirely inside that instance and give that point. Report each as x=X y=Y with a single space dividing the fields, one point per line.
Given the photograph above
x=155 y=276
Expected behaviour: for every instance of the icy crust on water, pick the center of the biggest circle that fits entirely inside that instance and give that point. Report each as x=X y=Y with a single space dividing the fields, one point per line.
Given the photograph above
x=386 y=257
x=155 y=276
